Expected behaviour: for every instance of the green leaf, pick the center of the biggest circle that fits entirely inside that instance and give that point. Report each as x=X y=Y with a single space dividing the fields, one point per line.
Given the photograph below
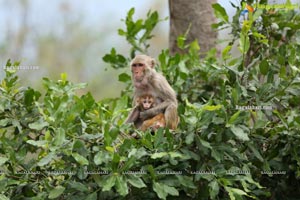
x=255 y=152
x=124 y=77
x=180 y=41
x=158 y=138
x=159 y=155
x=138 y=153
x=78 y=186
x=130 y=13
x=92 y=196
x=47 y=159
x=59 y=137
x=99 y=158
x=244 y=43
x=109 y=183
x=30 y=96
x=136 y=181
x=114 y=132
x=4 y=122
x=56 y=192
x=216 y=155
x=161 y=193
x=205 y=143
x=295 y=69
x=212 y=108
x=220 y=12
x=80 y=159
x=3 y=160
x=239 y=133
x=183 y=70
x=121 y=32
x=64 y=77
x=130 y=162
x=235 y=95
x=234 y=118
x=110 y=149
x=175 y=155
x=121 y=186
x=39 y=143
x=232 y=192
x=186 y=181
x=194 y=46
x=162 y=190
x=171 y=190
x=78 y=145
x=213 y=189
x=225 y=52
x=38 y=125
x=189 y=138
x=3 y=197
x=264 y=67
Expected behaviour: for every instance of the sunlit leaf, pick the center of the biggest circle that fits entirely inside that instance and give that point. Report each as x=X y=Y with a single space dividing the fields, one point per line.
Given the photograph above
x=109 y=183
x=159 y=155
x=80 y=159
x=3 y=197
x=213 y=189
x=39 y=143
x=136 y=181
x=3 y=160
x=212 y=108
x=38 y=125
x=47 y=159
x=56 y=192
x=239 y=133
x=220 y=12
x=121 y=186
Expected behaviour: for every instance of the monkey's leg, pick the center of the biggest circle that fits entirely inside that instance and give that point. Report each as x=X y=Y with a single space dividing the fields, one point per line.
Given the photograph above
x=146 y=124
x=171 y=117
x=151 y=123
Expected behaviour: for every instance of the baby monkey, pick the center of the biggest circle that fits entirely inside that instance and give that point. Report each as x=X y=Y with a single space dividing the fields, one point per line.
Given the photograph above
x=146 y=102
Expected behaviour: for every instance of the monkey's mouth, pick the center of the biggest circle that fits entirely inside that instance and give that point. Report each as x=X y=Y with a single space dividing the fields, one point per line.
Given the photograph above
x=138 y=78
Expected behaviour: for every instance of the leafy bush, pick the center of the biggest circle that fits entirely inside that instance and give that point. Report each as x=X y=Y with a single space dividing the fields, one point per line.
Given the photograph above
x=58 y=145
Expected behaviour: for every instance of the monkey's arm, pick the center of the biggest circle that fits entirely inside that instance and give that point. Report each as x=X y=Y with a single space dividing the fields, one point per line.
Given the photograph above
x=133 y=116
x=165 y=92
x=160 y=108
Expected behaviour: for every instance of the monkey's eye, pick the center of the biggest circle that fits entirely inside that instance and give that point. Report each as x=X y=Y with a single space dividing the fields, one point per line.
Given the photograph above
x=137 y=65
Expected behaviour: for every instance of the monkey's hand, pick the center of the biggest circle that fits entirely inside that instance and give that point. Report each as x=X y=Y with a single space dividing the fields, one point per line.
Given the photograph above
x=144 y=115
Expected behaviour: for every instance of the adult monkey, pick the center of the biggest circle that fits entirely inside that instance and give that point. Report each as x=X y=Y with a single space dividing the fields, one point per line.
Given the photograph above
x=147 y=81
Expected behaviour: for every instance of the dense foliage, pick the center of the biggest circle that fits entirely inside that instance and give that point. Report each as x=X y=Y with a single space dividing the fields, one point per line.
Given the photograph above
x=239 y=124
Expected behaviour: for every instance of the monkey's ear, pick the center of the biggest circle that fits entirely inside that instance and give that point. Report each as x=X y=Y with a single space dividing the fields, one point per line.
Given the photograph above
x=137 y=100
x=152 y=63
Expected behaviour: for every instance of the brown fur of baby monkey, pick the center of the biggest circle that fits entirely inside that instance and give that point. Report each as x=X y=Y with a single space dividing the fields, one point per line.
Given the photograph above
x=147 y=81
x=146 y=102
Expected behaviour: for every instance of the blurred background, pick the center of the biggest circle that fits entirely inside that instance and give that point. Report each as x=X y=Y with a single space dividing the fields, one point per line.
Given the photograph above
x=72 y=36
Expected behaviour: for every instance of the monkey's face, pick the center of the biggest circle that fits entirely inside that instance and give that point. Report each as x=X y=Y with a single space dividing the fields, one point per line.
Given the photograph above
x=139 y=66
x=147 y=102
x=138 y=71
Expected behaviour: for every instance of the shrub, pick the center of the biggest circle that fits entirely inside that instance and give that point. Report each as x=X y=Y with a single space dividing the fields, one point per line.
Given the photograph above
x=58 y=145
